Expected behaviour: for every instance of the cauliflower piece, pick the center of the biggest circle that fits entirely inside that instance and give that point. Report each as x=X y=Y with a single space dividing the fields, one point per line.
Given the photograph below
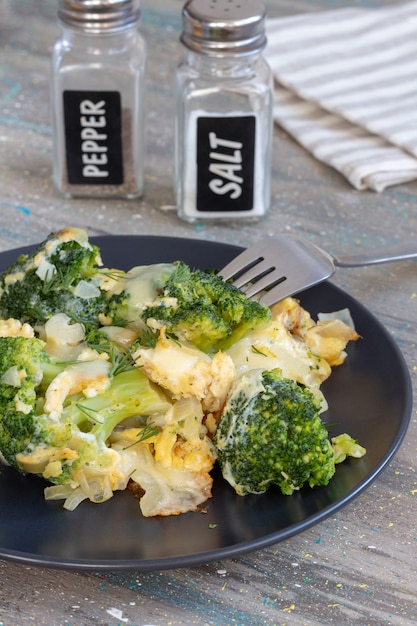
x=292 y=315
x=168 y=490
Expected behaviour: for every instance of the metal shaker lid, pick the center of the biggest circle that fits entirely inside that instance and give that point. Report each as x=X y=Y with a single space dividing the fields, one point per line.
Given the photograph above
x=224 y=27
x=97 y=16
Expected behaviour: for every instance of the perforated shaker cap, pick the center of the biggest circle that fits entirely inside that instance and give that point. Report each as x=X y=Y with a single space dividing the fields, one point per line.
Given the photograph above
x=96 y=16
x=224 y=27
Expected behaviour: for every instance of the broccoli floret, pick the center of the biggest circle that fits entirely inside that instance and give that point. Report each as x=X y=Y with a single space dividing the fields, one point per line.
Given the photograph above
x=199 y=307
x=60 y=275
x=64 y=275
x=25 y=370
x=270 y=432
x=67 y=444
x=21 y=371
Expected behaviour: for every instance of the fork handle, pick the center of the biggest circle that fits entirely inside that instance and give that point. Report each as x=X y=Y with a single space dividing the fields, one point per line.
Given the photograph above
x=397 y=252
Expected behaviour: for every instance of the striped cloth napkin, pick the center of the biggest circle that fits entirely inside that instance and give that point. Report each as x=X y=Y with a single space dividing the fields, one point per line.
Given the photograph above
x=346 y=89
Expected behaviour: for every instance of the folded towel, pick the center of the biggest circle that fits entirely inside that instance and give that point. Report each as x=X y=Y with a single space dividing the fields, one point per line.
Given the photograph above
x=346 y=89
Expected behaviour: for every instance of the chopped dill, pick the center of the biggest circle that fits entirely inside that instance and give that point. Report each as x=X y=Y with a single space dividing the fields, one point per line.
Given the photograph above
x=174 y=339
x=146 y=433
x=114 y=274
x=88 y=325
x=55 y=281
x=257 y=351
x=120 y=361
x=90 y=413
x=148 y=338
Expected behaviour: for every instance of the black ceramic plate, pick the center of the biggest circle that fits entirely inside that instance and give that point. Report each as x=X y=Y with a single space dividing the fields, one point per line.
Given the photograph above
x=369 y=397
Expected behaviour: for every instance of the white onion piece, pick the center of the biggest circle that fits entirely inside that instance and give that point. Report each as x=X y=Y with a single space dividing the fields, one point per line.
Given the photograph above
x=343 y=315
x=86 y=290
x=12 y=377
x=62 y=338
x=45 y=270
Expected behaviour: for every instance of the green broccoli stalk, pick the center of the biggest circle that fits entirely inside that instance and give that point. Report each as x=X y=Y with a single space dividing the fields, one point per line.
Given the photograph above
x=344 y=446
x=68 y=446
x=60 y=275
x=85 y=427
x=270 y=432
x=199 y=307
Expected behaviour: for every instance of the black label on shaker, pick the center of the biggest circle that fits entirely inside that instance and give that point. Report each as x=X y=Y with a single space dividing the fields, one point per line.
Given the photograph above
x=225 y=163
x=93 y=137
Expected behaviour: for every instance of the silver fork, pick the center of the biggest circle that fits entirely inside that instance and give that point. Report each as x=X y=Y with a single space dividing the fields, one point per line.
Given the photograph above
x=283 y=265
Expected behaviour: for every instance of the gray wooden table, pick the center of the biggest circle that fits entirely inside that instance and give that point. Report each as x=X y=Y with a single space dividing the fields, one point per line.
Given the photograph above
x=355 y=568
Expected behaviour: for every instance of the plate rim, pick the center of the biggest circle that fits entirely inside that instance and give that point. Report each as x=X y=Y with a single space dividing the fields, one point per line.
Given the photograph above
x=242 y=547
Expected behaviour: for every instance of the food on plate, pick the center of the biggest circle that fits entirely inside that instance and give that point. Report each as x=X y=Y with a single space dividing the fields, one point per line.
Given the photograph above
x=147 y=377
x=270 y=432
x=59 y=276
x=198 y=307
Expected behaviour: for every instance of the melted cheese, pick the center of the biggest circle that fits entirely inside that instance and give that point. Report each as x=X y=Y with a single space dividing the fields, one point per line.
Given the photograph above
x=141 y=285
x=87 y=377
x=275 y=347
x=187 y=372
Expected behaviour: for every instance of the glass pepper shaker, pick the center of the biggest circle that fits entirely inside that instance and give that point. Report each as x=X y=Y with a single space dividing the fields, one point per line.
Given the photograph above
x=98 y=73
x=223 y=127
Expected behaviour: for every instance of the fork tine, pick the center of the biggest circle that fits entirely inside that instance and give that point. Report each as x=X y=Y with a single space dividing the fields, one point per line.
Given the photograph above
x=277 y=267
x=270 y=281
x=246 y=258
x=281 y=291
x=260 y=269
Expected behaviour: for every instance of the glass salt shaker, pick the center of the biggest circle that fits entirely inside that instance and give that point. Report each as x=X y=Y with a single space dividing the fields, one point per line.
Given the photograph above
x=223 y=127
x=98 y=74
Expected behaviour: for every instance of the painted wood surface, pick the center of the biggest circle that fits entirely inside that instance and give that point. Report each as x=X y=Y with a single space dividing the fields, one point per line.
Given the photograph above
x=356 y=568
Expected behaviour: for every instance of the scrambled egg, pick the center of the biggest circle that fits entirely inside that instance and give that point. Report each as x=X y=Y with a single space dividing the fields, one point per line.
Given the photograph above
x=15 y=328
x=187 y=372
x=173 y=463
x=282 y=344
x=172 y=455
x=88 y=377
